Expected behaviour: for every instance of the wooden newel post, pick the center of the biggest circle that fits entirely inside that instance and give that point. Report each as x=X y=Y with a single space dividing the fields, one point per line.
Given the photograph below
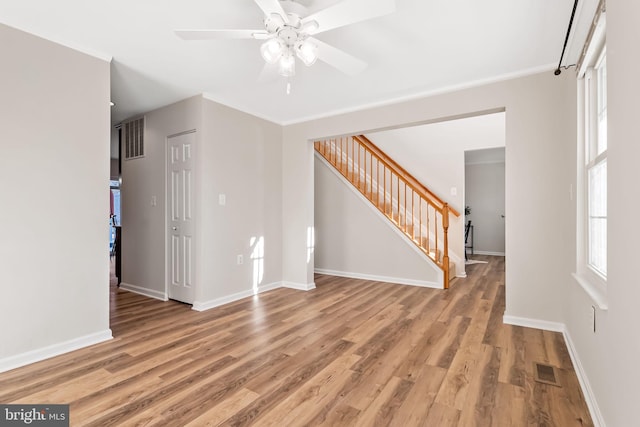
x=445 y=257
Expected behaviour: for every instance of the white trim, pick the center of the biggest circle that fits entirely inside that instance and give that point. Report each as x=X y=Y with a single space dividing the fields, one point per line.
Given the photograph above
x=396 y=280
x=533 y=323
x=377 y=104
x=207 y=305
x=587 y=391
x=269 y=287
x=299 y=286
x=151 y=293
x=423 y=94
x=596 y=294
x=488 y=253
x=53 y=350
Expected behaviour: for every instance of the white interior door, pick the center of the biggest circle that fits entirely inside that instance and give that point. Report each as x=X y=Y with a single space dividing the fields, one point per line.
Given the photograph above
x=180 y=234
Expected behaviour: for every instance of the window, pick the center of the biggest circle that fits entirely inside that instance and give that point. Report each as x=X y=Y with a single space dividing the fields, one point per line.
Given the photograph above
x=596 y=164
x=591 y=180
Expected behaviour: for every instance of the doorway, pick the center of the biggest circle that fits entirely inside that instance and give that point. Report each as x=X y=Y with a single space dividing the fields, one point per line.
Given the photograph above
x=180 y=234
x=485 y=201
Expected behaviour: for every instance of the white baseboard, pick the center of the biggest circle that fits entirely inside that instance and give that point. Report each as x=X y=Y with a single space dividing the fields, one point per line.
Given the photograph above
x=592 y=404
x=533 y=323
x=151 y=293
x=487 y=253
x=53 y=350
x=269 y=287
x=299 y=286
x=400 y=281
x=207 y=305
x=587 y=391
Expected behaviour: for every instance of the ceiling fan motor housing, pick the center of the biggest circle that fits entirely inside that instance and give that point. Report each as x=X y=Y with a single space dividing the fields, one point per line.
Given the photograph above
x=289 y=32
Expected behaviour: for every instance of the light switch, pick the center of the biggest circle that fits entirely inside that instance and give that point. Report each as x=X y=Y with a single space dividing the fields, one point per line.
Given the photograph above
x=154 y=201
x=222 y=199
x=454 y=191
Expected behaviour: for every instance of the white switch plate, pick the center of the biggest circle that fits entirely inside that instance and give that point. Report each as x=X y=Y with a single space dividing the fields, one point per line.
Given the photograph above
x=154 y=201
x=454 y=191
x=240 y=259
x=222 y=199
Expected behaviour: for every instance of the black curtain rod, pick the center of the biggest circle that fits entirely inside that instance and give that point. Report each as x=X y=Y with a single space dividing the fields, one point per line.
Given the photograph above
x=566 y=39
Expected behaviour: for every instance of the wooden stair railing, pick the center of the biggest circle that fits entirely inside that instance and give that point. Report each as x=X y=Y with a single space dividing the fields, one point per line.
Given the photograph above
x=421 y=215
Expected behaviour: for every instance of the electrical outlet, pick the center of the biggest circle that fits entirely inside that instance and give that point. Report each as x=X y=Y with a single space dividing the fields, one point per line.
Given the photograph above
x=240 y=259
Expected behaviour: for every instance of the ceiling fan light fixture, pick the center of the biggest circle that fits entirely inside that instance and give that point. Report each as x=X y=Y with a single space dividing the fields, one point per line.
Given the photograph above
x=287 y=66
x=272 y=50
x=307 y=51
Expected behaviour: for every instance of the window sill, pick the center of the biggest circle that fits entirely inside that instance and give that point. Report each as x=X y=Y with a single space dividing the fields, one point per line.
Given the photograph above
x=597 y=293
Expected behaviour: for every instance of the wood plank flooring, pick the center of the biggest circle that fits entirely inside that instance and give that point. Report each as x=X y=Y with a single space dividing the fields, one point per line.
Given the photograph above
x=349 y=353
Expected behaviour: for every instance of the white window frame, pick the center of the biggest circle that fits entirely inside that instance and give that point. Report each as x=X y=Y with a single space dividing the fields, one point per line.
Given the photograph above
x=588 y=274
x=595 y=159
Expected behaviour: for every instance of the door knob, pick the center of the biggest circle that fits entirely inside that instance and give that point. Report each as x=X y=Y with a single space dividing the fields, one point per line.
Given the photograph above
x=174 y=228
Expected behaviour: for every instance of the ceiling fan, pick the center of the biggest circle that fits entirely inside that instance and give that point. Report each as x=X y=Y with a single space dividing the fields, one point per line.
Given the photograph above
x=288 y=34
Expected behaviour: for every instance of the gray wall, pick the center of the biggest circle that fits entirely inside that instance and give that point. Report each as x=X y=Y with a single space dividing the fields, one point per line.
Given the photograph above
x=54 y=245
x=609 y=357
x=540 y=131
x=484 y=194
x=237 y=155
x=241 y=157
x=354 y=240
x=143 y=225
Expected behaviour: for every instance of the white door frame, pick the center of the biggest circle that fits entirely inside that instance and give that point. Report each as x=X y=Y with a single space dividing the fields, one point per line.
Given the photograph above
x=184 y=288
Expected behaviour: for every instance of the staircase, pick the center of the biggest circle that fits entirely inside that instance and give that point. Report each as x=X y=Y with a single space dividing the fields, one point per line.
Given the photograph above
x=421 y=215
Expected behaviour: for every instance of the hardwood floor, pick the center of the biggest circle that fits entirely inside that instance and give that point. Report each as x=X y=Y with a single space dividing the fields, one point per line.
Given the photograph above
x=351 y=352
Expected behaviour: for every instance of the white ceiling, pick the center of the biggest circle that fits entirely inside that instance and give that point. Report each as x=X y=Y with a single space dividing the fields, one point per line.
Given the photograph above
x=426 y=46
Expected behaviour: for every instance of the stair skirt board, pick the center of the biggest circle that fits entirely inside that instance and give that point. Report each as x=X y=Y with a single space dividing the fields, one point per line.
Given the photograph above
x=459 y=262
x=385 y=279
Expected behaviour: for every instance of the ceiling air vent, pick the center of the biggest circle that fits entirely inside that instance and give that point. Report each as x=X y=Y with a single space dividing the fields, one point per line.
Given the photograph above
x=133 y=139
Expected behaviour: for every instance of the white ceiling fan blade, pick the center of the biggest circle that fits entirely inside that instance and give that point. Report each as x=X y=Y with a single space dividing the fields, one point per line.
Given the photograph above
x=220 y=34
x=272 y=6
x=348 y=12
x=339 y=59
